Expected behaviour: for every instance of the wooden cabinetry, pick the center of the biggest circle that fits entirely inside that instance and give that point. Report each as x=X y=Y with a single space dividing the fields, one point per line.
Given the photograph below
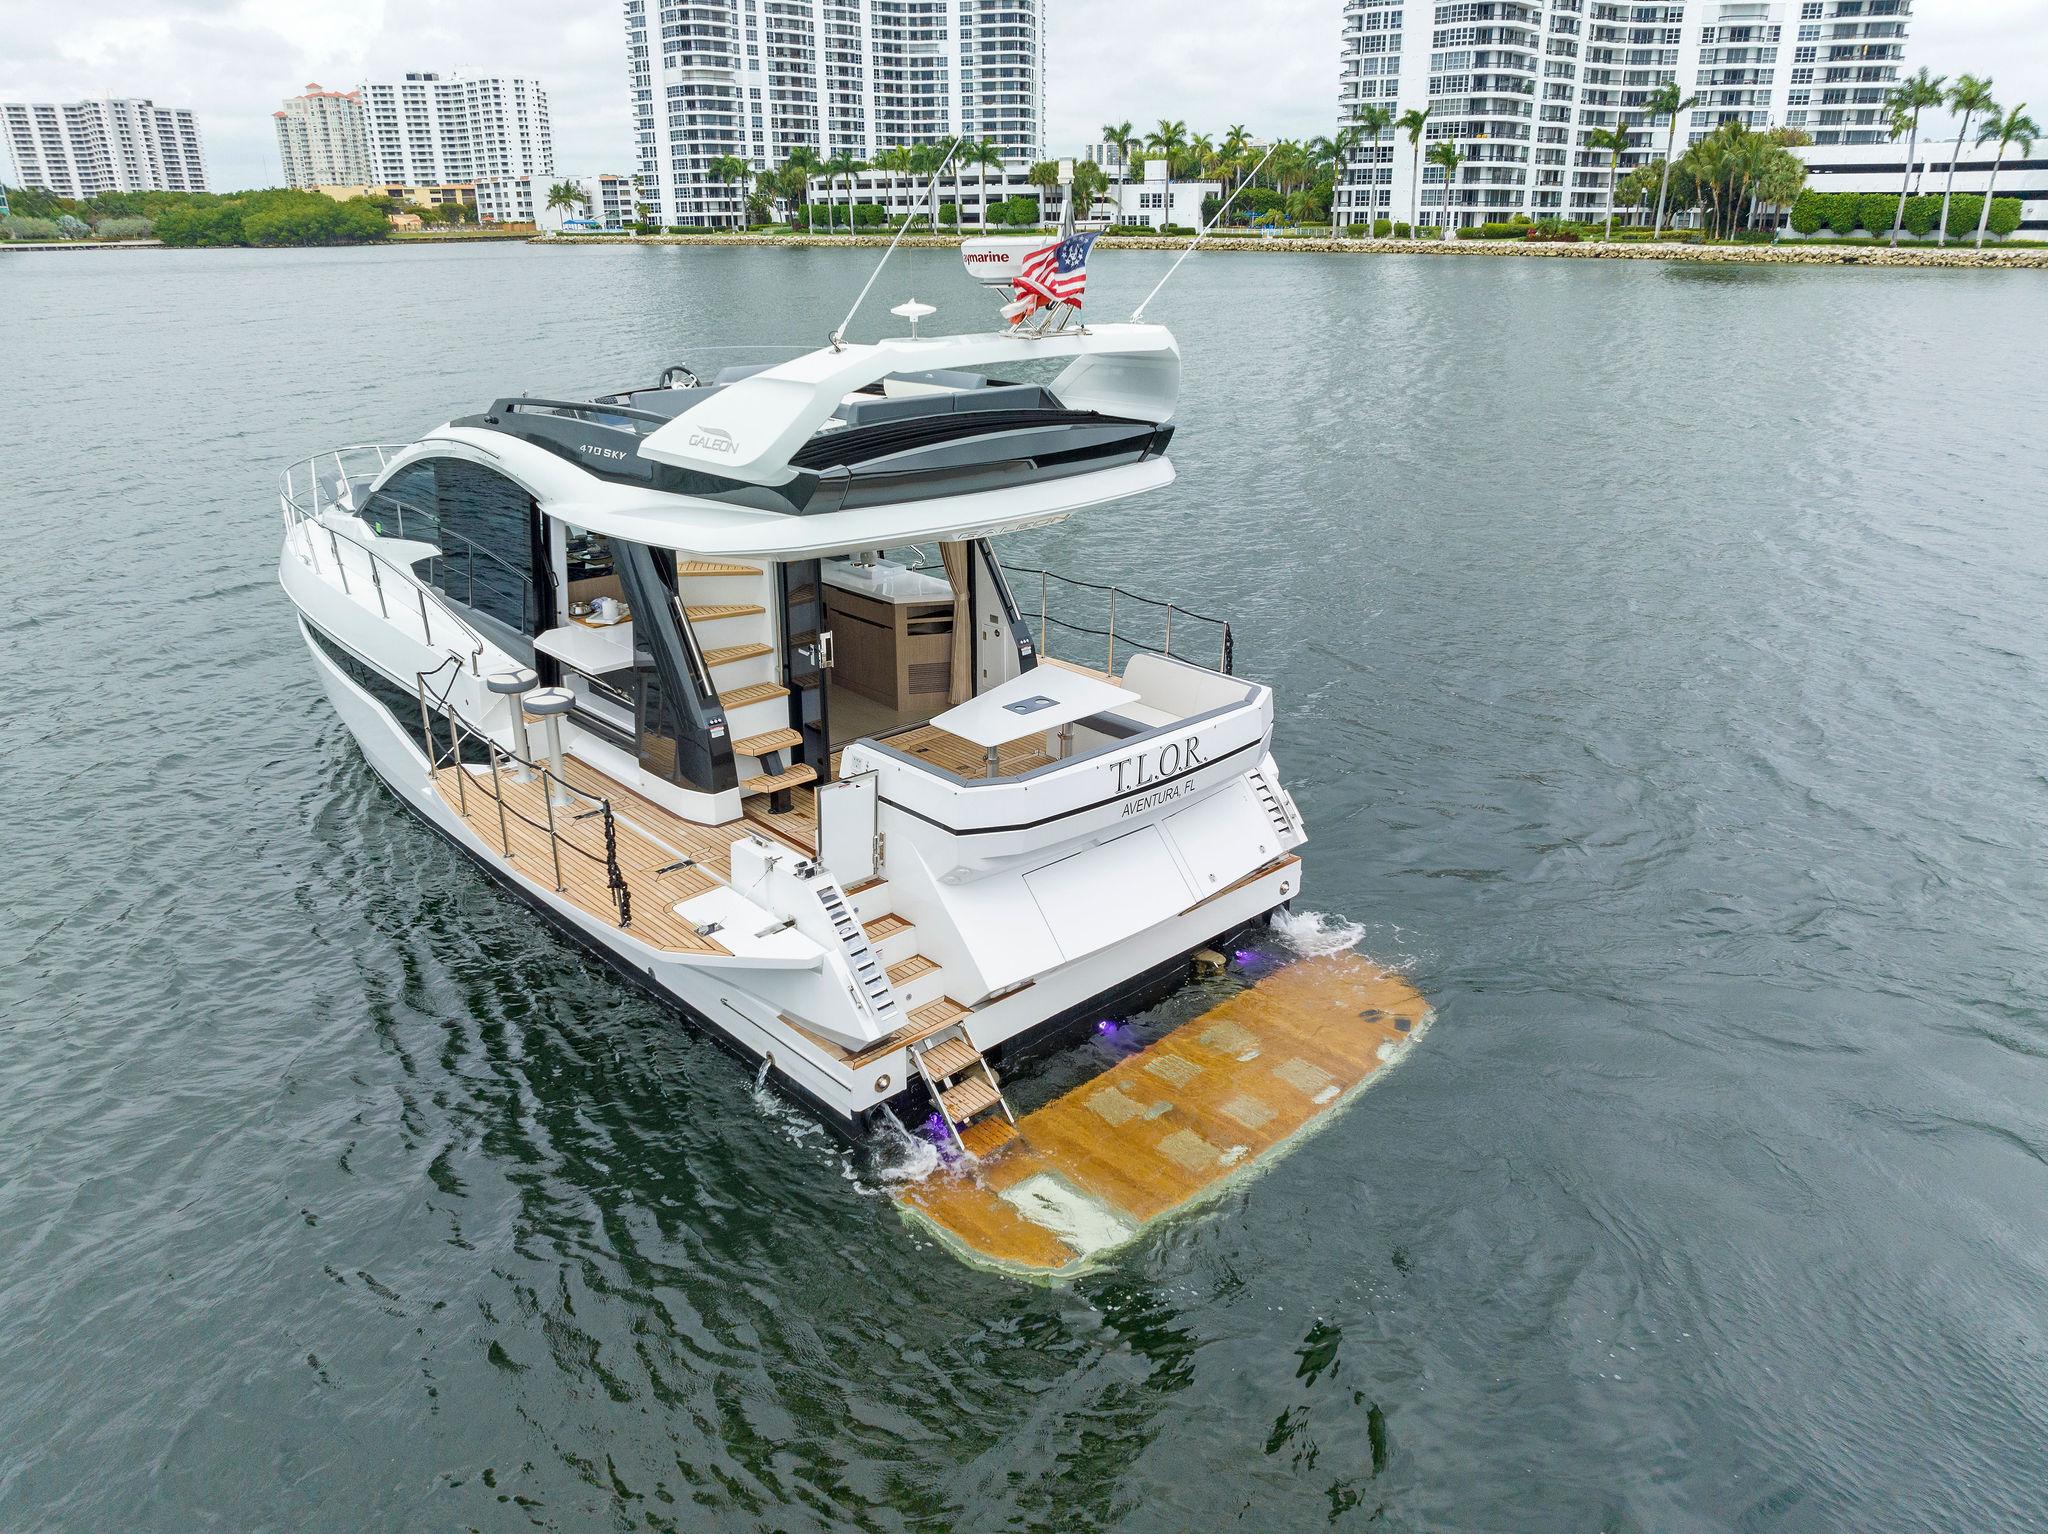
x=897 y=653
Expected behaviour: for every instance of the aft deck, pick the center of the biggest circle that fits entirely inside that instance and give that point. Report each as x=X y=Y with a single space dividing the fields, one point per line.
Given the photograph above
x=662 y=859
x=1208 y=1104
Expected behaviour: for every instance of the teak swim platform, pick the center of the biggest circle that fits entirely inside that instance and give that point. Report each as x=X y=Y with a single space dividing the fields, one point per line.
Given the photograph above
x=1213 y=1101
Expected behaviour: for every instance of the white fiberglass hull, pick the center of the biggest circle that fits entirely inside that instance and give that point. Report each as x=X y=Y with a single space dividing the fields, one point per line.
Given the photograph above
x=743 y=1003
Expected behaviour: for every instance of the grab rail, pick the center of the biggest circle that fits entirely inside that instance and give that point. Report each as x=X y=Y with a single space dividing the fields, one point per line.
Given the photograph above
x=1227 y=647
x=500 y=758
x=306 y=511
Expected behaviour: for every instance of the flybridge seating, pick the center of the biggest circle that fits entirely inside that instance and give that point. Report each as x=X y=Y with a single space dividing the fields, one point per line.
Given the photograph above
x=912 y=435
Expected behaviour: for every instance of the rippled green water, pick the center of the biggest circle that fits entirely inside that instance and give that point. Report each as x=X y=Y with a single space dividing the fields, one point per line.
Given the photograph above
x=1661 y=662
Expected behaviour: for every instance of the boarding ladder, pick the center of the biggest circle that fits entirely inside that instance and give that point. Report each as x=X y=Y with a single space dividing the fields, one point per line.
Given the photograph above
x=964 y=1085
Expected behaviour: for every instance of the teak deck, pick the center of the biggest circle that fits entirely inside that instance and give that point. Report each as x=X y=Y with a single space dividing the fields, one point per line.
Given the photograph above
x=650 y=839
x=1212 y=1101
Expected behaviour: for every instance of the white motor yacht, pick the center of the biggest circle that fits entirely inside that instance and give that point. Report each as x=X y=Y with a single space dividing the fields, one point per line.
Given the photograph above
x=729 y=680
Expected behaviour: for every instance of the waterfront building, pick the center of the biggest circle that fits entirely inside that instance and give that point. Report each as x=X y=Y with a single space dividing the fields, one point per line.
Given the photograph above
x=1146 y=199
x=1519 y=85
x=108 y=144
x=426 y=129
x=396 y=191
x=1880 y=168
x=607 y=200
x=755 y=80
x=320 y=138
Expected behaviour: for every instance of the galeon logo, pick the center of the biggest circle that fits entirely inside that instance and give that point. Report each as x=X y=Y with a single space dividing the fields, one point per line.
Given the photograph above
x=713 y=439
x=599 y=452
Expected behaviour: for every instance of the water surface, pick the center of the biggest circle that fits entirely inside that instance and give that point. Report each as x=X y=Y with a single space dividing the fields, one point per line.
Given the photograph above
x=1660 y=661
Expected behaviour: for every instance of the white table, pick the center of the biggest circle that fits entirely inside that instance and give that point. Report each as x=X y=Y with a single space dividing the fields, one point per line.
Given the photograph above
x=1044 y=698
x=592 y=651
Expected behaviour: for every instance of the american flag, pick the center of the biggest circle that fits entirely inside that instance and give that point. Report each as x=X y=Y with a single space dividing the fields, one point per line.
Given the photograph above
x=1054 y=274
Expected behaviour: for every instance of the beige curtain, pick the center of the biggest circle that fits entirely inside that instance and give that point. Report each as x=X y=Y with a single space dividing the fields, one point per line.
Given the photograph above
x=961 y=687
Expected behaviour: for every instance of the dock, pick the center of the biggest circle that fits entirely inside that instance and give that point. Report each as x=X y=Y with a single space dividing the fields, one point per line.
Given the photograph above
x=1211 y=1103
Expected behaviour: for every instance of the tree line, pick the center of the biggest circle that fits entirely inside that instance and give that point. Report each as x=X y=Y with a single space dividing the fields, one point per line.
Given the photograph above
x=277 y=216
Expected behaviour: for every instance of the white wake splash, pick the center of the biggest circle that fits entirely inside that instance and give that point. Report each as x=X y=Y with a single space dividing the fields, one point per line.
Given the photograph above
x=1314 y=934
x=890 y=1156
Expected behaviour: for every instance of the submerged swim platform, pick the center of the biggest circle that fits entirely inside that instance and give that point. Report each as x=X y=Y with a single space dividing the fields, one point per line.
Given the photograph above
x=1213 y=1101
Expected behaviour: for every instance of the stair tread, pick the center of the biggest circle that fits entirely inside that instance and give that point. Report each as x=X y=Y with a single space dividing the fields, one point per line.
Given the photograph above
x=885 y=926
x=789 y=777
x=949 y=1057
x=712 y=611
x=987 y=1137
x=753 y=692
x=937 y=1014
x=903 y=971
x=733 y=652
x=967 y=1098
x=864 y=886
x=714 y=567
x=767 y=741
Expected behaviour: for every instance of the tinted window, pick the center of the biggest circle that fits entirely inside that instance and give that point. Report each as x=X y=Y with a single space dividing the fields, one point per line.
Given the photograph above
x=404 y=508
x=487 y=530
x=487 y=538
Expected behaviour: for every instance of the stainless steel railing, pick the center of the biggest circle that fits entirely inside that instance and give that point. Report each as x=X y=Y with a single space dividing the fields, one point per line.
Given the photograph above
x=501 y=760
x=1156 y=624
x=304 y=498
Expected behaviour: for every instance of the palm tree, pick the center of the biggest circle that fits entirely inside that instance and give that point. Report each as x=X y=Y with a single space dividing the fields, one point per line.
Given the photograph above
x=726 y=169
x=895 y=161
x=1668 y=101
x=1908 y=100
x=1235 y=151
x=1372 y=121
x=564 y=194
x=983 y=155
x=793 y=178
x=1168 y=140
x=1968 y=96
x=1090 y=181
x=1045 y=175
x=1411 y=122
x=1446 y=154
x=1123 y=138
x=836 y=170
x=2015 y=127
x=925 y=161
x=1615 y=141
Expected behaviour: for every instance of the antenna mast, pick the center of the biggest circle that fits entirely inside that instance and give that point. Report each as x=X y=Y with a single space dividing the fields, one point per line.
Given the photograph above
x=1139 y=312
x=931 y=190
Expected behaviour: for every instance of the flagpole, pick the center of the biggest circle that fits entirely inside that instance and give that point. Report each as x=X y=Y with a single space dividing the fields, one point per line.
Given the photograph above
x=1139 y=312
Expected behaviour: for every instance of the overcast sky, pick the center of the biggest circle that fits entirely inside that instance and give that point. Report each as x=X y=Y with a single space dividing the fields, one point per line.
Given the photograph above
x=1271 y=64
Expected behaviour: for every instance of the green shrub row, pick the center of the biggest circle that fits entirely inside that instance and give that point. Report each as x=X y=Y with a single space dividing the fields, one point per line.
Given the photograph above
x=271 y=218
x=1844 y=213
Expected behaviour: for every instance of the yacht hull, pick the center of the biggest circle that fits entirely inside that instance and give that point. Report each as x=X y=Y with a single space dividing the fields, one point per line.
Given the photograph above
x=739 y=1005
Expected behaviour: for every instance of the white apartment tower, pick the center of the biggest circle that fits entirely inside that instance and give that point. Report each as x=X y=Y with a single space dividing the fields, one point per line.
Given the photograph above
x=1519 y=84
x=425 y=130
x=320 y=139
x=112 y=144
x=755 y=79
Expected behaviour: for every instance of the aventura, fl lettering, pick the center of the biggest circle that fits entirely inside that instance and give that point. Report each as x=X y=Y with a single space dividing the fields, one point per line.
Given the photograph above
x=1134 y=773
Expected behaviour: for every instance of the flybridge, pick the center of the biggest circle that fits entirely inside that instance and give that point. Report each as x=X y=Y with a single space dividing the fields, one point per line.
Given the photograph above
x=753 y=429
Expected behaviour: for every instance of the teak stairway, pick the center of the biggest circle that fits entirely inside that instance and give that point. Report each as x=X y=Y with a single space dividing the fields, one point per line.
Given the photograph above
x=727 y=608
x=964 y=1085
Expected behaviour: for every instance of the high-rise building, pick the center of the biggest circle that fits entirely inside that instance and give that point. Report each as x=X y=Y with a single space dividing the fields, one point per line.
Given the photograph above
x=753 y=80
x=1518 y=85
x=320 y=139
x=426 y=129
x=112 y=144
